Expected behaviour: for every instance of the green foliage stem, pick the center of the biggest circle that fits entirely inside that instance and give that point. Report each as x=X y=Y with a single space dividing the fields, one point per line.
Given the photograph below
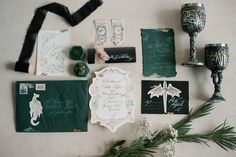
x=223 y=135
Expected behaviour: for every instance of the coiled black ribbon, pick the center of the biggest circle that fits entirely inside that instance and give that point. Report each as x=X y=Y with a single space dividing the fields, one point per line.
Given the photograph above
x=22 y=64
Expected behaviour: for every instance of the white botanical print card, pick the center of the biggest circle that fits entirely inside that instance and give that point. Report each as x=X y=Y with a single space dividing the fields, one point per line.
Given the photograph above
x=52 y=52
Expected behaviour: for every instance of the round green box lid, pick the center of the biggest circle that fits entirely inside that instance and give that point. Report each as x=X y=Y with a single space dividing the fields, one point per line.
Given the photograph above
x=81 y=69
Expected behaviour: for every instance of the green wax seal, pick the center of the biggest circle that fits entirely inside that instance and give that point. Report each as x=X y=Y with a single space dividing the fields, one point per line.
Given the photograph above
x=81 y=69
x=77 y=53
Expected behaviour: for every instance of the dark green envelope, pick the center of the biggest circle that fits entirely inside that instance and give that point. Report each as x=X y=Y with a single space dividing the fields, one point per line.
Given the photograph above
x=51 y=106
x=158 y=48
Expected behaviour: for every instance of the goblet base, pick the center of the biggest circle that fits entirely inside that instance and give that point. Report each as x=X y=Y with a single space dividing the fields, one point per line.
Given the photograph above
x=193 y=63
x=216 y=99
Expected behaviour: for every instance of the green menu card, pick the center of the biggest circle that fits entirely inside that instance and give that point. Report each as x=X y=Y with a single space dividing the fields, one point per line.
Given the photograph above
x=51 y=106
x=158 y=49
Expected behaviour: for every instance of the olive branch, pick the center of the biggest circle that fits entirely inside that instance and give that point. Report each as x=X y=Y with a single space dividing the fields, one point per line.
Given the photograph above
x=223 y=135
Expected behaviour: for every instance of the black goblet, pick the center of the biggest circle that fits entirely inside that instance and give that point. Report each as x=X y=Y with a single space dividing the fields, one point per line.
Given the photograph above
x=193 y=19
x=216 y=59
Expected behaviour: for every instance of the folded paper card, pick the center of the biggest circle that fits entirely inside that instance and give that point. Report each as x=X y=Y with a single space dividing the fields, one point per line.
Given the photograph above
x=164 y=97
x=51 y=106
x=158 y=49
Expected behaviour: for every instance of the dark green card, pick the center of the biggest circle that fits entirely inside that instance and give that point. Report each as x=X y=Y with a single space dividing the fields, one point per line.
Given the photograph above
x=158 y=49
x=51 y=106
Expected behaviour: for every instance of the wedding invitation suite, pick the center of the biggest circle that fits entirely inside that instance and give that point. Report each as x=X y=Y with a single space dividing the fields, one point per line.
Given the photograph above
x=51 y=106
x=112 y=101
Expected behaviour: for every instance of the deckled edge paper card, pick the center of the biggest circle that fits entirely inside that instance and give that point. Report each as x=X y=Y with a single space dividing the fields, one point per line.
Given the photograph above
x=52 y=53
x=52 y=106
x=112 y=102
x=158 y=48
x=165 y=97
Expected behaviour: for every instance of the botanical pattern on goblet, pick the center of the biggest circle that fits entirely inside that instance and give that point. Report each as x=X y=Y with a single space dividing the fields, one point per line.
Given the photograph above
x=193 y=20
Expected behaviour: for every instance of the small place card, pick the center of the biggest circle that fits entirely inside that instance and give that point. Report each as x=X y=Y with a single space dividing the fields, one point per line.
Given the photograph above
x=112 y=101
x=165 y=97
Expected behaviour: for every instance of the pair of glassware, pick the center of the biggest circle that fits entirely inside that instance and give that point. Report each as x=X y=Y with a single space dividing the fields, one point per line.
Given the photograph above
x=193 y=19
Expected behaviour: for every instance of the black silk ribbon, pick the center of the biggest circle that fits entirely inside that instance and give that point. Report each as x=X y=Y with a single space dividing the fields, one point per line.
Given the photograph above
x=22 y=64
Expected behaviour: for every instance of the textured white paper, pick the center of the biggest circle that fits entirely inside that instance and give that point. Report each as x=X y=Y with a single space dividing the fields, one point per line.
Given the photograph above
x=112 y=101
x=52 y=53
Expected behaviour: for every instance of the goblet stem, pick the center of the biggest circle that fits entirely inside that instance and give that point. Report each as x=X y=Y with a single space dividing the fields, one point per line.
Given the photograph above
x=217 y=79
x=193 y=49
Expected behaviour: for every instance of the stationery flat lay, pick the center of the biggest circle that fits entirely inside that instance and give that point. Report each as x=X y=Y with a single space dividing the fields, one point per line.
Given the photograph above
x=104 y=94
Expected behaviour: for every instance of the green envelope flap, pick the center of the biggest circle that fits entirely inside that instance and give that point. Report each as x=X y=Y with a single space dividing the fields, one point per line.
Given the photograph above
x=51 y=106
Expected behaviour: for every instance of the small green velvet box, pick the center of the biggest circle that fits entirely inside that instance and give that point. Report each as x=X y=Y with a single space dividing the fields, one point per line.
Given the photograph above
x=77 y=53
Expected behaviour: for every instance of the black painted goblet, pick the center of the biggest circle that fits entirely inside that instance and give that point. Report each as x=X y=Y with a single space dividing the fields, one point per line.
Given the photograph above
x=216 y=59
x=193 y=19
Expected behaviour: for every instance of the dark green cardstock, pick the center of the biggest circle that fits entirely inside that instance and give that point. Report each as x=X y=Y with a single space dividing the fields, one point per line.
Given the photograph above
x=158 y=49
x=51 y=106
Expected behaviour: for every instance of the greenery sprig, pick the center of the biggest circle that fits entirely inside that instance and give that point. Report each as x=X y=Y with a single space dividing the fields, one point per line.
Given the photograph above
x=223 y=135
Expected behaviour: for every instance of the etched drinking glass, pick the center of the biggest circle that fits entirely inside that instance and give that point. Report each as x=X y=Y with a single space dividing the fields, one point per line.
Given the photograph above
x=193 y=19
x=216 y=59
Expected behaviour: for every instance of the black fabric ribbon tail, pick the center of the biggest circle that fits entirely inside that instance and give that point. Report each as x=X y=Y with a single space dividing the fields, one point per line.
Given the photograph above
x=74 y=19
